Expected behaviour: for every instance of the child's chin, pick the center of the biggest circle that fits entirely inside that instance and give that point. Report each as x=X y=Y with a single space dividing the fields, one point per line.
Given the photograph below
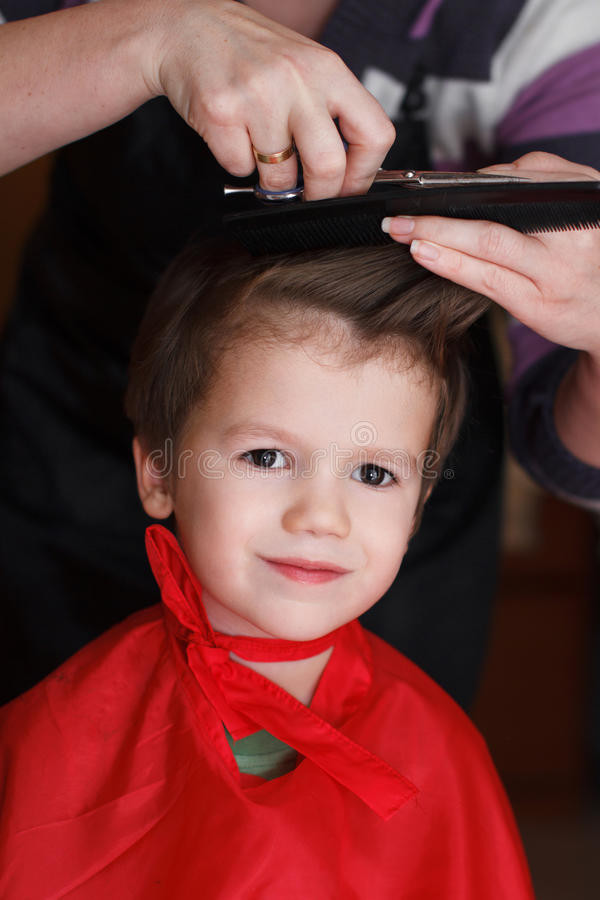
x=303 y=631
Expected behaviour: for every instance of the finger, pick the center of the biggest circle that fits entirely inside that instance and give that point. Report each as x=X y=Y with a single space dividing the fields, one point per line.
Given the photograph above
x=321 y=150
x=515 y=292
x=277 y=176
x=488 y=241
x=231 y=147
x=270 y=134
x=543 y=165
x=369 y=134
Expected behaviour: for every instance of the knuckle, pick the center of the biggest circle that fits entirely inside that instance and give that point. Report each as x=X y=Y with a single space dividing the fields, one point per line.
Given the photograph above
x=492 y=282
x=275 y=76
x=385 y=136
x=232 y=158
x=238 y=167
x=218 y=107
x=312 y=72
x=455 y=264
x=327 y=164
x=259 y=80
x=324 y=173
x=277 y=179
x=534 y=159
x=493 y=240
x=321 y=69
x=328 y=58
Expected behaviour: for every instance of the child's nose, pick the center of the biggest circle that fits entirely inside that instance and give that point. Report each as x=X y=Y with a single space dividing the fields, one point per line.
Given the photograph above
x=318 y=509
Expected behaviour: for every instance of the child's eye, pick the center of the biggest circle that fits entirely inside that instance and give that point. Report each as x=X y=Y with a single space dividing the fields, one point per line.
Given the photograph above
x=266 y=459
x=373 y=475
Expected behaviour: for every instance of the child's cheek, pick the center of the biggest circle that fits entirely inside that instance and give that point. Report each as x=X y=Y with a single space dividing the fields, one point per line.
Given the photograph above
x=386 y=557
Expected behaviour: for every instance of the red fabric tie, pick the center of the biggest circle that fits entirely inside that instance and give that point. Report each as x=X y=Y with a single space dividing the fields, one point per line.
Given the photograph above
x=244 y=700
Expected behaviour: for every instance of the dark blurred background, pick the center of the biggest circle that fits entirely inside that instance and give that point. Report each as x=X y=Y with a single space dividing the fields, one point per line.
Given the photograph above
x=539 y=701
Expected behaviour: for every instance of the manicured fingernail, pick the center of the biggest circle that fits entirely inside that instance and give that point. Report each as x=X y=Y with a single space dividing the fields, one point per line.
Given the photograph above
x=398 y=225
x=424 y=250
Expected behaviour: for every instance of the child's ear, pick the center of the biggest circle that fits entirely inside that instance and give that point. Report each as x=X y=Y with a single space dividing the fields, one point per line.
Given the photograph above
x=152 y=484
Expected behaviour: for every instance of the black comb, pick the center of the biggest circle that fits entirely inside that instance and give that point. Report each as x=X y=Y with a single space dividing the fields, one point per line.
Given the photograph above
x=287 y=226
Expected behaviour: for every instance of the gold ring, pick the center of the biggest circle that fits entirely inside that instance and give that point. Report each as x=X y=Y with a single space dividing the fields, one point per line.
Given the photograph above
x=272 y=158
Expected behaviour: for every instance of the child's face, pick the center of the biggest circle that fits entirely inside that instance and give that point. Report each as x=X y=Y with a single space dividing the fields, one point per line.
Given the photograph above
x=273 y=502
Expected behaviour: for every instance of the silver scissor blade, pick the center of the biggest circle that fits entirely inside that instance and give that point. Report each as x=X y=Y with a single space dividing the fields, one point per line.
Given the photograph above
x=420 y=178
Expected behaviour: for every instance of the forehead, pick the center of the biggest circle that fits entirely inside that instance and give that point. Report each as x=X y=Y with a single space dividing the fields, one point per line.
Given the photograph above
x=307 y=390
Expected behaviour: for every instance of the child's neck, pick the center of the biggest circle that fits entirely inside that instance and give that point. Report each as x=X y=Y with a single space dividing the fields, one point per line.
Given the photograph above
x=299 y=677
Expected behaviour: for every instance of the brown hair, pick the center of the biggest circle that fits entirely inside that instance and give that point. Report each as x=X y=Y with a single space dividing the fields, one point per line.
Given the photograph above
x=215 y=296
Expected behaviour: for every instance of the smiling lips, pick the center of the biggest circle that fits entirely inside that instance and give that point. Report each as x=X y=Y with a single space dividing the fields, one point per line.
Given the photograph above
x=306 y=571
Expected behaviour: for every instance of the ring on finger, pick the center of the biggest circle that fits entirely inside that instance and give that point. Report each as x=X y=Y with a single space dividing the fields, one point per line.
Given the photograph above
x=273 y=158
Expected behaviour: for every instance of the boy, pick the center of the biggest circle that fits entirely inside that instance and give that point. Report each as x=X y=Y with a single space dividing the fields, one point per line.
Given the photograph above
x=249 y=739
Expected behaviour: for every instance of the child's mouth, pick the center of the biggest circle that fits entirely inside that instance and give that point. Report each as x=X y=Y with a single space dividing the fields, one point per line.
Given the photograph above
x=306 y=571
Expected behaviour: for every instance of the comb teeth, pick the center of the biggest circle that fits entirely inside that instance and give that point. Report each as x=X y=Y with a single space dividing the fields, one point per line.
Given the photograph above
x=554 y=216
x=356 y=221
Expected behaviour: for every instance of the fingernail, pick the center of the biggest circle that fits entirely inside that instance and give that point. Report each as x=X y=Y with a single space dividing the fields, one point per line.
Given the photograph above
x=424 y=250
x=398 y=225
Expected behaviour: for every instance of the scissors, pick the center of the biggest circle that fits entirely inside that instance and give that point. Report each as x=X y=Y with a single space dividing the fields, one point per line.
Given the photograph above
x=411 y=178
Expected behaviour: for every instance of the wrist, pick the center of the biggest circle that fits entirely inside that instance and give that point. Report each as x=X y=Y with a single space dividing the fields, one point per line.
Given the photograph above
x=142 y=27
x=168 y=27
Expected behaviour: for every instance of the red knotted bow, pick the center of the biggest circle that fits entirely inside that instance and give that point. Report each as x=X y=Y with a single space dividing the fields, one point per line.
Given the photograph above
x=244 y=700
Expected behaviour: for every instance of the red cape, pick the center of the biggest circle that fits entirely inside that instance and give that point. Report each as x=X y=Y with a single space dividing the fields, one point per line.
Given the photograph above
x=118 y=782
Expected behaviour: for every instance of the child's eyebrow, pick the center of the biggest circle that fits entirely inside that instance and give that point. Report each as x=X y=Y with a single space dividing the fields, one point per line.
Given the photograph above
x=256 y=429
x=382 y=456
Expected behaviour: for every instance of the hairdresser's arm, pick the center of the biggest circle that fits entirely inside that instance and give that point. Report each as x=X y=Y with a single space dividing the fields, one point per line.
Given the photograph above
x=235 y=76
x=550 y=283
